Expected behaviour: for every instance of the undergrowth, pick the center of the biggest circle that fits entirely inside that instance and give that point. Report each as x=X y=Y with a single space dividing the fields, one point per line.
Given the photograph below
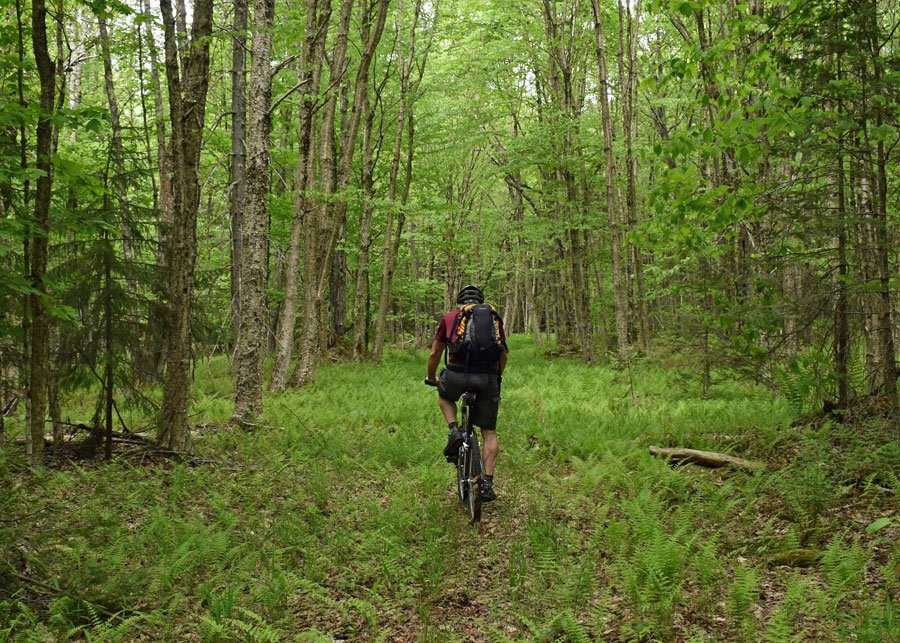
x=339 y=521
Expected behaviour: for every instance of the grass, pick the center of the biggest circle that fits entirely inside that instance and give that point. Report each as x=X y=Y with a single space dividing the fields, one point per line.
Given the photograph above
x=340 y=521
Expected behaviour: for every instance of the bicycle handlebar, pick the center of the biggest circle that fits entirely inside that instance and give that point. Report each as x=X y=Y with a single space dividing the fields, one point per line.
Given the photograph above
x=428 y=382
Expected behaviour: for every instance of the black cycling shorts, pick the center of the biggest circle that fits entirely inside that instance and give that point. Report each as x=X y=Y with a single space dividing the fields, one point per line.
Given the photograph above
x=486 y=386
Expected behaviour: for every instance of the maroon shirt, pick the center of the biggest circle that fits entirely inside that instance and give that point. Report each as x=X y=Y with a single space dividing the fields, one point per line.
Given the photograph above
x=445 y=330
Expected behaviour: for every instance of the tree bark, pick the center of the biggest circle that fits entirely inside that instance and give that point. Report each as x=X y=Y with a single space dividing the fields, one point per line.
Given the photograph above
x=360 y=315
x=628 y=90
x=142 y=88
x=117 y=152
x=706 y=458
x=313 y=261
x=187 y=110
x=317 y=21
x=157 y=317
x=254 y=225
x=238 y=158
x=620 y=294
x=372 y=31
x=888 y=383
x=841 y=322
x=391 y=243
x=40 y=318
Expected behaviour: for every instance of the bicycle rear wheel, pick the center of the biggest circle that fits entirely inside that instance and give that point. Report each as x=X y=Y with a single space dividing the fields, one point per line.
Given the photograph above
x=474 y=475
x=462 y=483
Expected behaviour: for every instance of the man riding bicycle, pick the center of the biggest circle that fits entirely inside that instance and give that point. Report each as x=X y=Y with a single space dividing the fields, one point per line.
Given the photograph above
x=472 y=334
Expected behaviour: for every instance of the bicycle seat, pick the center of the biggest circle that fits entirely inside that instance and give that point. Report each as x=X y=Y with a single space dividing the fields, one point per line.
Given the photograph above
x=469 y=396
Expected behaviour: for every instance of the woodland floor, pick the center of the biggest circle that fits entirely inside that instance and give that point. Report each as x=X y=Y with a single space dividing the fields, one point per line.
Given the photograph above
x=339 y=520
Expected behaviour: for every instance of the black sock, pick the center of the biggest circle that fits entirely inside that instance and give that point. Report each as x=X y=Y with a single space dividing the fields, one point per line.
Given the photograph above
x=489 y=478
x=452 y=426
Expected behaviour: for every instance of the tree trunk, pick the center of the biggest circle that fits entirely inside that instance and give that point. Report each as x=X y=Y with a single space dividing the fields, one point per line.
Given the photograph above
x=116 y=151
x=360 y=315
x=888 y=379
x=317 y=21
x=388 y=259
x=841 y=324
x=371 y=36
x=157 y=334
x=40 y=318
x=254 y=224
x=629 y=97
x=319 y=215
x=187 y=110
x=108 y=378
x=237 y=173
x=620 y=288
x=24 y=371
x=391 y=243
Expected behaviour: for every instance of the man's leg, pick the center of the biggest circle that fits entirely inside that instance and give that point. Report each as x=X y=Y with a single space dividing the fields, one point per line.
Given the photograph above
x=448 y=408
x=447 y=385
x=491 y=448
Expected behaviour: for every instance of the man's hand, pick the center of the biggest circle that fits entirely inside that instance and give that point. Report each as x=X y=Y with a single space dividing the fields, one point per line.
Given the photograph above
x=431 y=382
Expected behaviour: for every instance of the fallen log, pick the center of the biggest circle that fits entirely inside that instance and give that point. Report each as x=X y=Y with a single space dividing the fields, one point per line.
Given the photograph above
x=709 y=459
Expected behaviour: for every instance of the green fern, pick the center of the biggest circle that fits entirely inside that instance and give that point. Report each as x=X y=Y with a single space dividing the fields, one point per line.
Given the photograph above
x=211 y=629
x=654 y=575
x=253 y=627
x=114 y=630
x=844 y=568
x=573 y=630
x=368 y=611
x=779 y=629
x=599 y=618
x=742 y=596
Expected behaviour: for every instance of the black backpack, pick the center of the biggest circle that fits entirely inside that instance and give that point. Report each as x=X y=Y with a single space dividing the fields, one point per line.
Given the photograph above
x=475 y=338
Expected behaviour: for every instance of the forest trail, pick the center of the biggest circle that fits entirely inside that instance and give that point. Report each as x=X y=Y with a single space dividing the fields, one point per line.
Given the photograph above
x=342 y=522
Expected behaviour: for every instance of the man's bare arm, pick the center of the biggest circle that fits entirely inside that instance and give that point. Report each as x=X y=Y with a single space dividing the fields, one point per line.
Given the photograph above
x=437 y=347
x=503 y=357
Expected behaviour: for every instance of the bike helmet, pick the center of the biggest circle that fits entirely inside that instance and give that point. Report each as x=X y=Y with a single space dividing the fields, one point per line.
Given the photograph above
x=470 y=295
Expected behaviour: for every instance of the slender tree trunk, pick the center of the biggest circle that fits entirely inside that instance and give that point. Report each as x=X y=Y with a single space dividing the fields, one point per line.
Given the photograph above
x=158 y=337
x=317 y=20
x=187 y=109
x=319 y=216
x=252 y=294
x=163 y=160
x=391 y=243
x=360 y=317
x=40 y=318
x=53 y=400
x=237 y=174
x=142 y=88
x=372 y=31
x=841 y=325
x=620 y=289
x=388 y=259
x=109 y=357
x=629 y=97
x=25 y=365
x=120 y=184
x=888 y=373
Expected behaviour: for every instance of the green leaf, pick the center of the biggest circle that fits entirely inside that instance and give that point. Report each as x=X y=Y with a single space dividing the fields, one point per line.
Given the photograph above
x=883 y=133
x=878 y=525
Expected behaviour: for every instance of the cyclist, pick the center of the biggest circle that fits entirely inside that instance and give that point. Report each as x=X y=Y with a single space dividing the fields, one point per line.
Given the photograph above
x=468 y=372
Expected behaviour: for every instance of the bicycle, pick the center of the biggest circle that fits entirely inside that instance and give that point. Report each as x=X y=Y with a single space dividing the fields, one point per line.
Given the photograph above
x=468 y=461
